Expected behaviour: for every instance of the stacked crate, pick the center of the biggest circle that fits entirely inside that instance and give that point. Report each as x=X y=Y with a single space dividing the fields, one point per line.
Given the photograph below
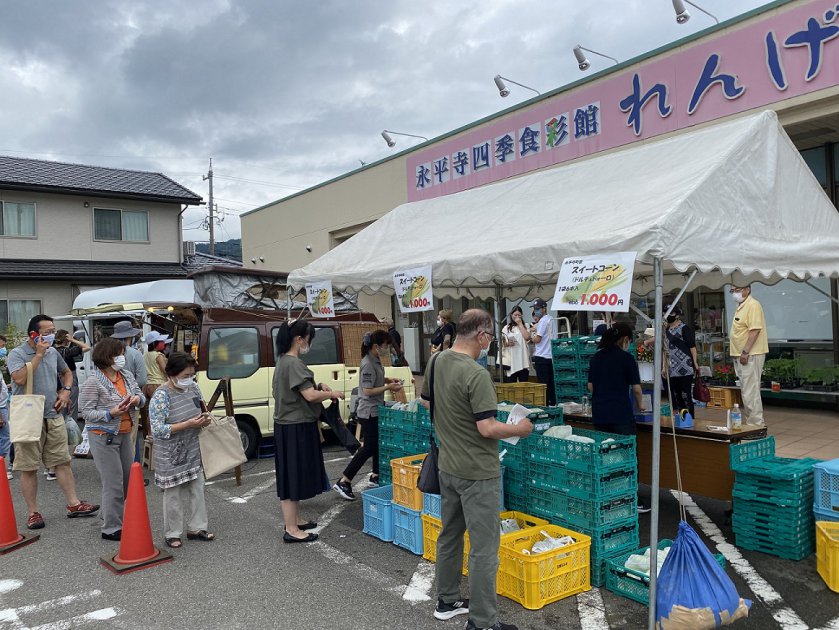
x=401 y=433
x=588 y=487
x=773 y=501
x=826 y=491
x=571 y=356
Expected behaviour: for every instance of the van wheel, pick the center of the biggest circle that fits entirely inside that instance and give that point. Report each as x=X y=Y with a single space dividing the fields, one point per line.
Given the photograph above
x=248 y=437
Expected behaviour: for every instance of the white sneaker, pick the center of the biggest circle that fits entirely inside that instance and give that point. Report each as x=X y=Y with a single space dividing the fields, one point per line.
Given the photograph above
x=9 y=475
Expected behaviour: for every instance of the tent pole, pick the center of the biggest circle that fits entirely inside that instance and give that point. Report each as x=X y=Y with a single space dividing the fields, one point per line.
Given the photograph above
x=641 y=314
x=499 y=339
x=824 y=293
x=659 y=282
x=676 y=299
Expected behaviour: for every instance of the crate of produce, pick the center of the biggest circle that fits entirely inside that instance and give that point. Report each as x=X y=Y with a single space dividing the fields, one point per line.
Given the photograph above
x=431 y=527
x=522 y=393
x=405 y=472
x=407 y=529
x=377 y=506
x=565 y=347
x=826 y=486
x=634 y=584
x=584 y=485
x=542 y=417
x=606 y=451
x=535 y=580
x=827 y=553
x=724 y=397
x=748 y=450
x=525 y=522
x=582 y=513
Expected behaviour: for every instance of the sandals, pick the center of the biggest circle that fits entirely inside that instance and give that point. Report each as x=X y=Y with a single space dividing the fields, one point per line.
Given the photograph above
x=201 y=535
x=174 y=543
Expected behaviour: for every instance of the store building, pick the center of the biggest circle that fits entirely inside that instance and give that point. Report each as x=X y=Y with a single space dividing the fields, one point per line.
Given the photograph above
x=782 y=56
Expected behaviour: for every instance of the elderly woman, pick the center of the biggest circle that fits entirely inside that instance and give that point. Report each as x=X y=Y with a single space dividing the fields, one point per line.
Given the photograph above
x=443 y=336
x=176 y=416
x=109 y=401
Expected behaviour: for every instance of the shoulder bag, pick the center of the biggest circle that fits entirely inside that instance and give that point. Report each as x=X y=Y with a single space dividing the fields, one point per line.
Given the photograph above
x=429 y=476
x=26 y=413
x=221 y=446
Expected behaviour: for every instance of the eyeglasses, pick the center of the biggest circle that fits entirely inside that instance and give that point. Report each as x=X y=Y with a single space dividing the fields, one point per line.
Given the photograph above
x=486 y=332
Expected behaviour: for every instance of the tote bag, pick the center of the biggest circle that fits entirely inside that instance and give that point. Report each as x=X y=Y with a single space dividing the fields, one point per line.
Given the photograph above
x=221 y=446
x=26 y=413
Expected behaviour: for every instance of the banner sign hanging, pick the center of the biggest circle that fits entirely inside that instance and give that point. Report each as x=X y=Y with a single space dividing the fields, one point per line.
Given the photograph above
x=413 y=289
x=595 y=283
x=320 y=299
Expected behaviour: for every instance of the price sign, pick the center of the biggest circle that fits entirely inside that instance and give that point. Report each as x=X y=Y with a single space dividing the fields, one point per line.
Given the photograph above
x=320 y=300
x=595 y=283
x=413 y=289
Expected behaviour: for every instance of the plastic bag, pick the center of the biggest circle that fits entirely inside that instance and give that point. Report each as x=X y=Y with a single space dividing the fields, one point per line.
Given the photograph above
x=550 y=543
x=641 y=562
x=561 y=431
x=694 y=592
x=509 y=525
x=74 y=434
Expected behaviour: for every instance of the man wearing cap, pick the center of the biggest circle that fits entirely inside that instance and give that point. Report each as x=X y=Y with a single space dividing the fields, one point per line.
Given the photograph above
x=134 y=363
x=748 y=347
x=541 y=334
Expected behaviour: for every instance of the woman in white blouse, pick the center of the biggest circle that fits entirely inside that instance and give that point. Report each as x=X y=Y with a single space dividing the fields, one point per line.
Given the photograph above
x=515 y=355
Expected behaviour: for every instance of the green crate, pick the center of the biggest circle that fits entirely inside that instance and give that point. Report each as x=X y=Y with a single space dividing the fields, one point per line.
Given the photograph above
x=516 y=502
x=516 y=481
x=771 y=532
x=576 y=389
x=749 y=450
x=584 y=485
x=582 y=513
x=566 y=346
x=768 y=546
x=566 y=373
x=774 y=497
x=564 y=361
x=776 y=513
x=542 y=417
x=607 y=452
x=587 y=346
x=610 y=539
x=779 y=468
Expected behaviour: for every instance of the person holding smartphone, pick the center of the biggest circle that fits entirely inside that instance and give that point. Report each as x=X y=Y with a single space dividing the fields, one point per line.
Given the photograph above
x=109 y=402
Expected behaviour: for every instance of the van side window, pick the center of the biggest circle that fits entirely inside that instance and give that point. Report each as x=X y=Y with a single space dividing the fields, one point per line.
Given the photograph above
x=324 y=348
x=232 y=352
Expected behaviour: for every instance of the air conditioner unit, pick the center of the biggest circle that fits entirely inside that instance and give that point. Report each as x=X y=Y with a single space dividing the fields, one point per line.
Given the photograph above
x=189 y=249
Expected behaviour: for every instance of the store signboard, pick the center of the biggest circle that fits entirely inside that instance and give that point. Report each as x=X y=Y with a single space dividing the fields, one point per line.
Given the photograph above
x=791 y=51
x=320 y=299
x=413 y=289
x=600 y=283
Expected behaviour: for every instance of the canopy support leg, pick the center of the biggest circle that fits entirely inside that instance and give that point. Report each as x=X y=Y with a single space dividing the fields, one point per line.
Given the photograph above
x=641 y=313
x=499 y=339
x=659 y=282
x=678 y=297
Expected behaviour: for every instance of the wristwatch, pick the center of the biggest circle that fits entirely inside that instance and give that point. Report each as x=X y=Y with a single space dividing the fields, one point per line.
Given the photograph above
x=67 y=389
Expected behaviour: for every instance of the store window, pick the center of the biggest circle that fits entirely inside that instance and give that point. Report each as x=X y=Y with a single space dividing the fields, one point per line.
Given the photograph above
x=17 y=219
x=18 y=313
x=110 y=224
x=233 y=352
x=817 y=161
x=324 y=349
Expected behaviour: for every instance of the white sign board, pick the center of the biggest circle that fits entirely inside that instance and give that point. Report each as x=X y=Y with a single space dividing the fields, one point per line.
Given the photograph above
x=320 y=300
x=595 y=283
x=413 y=289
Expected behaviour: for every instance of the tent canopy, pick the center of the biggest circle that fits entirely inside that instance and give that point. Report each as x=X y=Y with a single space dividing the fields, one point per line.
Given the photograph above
x=734 y=201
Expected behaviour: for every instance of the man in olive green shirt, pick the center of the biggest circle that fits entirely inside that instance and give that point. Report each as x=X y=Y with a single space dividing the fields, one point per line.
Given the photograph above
x=464 y=411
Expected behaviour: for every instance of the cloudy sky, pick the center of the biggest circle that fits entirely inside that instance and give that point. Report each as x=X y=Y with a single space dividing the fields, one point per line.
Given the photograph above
x=283 y=94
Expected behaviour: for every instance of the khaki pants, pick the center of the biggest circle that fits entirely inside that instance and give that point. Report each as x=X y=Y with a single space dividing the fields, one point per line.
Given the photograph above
x=749 y=376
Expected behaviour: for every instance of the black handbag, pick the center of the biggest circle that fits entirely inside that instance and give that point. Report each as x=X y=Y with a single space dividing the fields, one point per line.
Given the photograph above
x=429 y=477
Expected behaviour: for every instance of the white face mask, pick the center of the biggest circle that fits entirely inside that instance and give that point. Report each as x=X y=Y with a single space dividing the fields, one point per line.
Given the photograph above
x=119 y=362
x=185 y=382
x=483 y=354
x=737 y=296
x=304 y=349
x=439 y=322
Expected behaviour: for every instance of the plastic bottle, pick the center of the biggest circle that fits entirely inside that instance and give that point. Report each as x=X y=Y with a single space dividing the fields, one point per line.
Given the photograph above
x=736 y=418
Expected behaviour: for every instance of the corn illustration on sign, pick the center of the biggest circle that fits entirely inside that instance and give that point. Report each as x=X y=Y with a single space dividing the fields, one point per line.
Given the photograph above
x=413 y=289
x=320 y=299
x=595 y=283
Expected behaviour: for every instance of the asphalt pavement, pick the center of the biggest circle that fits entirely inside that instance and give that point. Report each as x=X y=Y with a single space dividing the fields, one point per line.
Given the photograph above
x=248 y=578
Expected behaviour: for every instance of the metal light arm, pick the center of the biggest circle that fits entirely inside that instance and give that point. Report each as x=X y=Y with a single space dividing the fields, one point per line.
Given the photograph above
x=502 y=90
x=698 y=8
x=600 y=54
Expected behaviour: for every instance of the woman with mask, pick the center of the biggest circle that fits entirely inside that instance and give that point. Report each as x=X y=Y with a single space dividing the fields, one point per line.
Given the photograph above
x=514 y=354
x=109 y=402
x=176 y=417
x=298 y=402
x=443 y=336
x=371 y=393
x=683 y=364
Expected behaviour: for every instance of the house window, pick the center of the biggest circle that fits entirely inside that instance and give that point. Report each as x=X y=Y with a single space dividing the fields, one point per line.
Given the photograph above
x=17 y=219
x=18 y=313
x=120 y=225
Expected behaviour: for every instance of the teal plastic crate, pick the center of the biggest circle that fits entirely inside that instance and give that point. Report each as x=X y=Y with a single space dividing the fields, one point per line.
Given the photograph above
x=608 y=451
x=567 y=373
x=769 y=546
x=613 y=538
x=778 y=468
x=759 y=510
x=516 y=502
x=584 y=485
x=378 y=512
x=566 y=346
x=407 y=529
x=542 y=418
x=582 y=513
x=749 y=450
x=565 y=360
x=587 y=346
x=575 y=389
x=777 y=498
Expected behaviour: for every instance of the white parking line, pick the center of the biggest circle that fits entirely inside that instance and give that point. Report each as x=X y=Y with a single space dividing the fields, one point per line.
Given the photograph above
x=419 y=588
x=591 y=610
x=103 y=614
x=259 y=474
x=250 y=494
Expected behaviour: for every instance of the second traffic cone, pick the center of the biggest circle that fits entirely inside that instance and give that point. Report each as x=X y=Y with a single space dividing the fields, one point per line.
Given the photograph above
x=10 y=538
x=136 y=549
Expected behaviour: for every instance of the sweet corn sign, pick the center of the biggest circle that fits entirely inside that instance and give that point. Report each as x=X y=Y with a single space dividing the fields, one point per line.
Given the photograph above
x=413 y=289
x=320 y=300
x=595 y=283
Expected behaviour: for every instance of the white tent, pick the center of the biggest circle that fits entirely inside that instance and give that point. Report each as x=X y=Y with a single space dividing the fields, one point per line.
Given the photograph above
x=733 y=201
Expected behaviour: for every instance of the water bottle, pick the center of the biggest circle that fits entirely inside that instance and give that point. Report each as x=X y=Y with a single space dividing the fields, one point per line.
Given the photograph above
x=736 y=418
x=586 y=408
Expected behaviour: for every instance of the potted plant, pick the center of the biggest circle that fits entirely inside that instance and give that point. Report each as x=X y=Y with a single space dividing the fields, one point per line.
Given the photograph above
x=645 y=362
x=723 y=374
x=783 y=371
x=821 y=379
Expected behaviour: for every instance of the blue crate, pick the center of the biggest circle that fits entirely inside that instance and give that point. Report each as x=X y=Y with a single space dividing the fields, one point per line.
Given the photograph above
x=825 y=515
x=431 y=504
x=826 y=486
x=407 y=528
x=378 y=512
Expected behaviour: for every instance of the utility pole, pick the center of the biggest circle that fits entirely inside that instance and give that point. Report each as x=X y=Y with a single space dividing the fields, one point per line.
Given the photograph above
x=211 y=207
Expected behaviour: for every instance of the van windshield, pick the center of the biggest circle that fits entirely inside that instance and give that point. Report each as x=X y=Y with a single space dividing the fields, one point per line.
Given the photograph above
x=324 y=348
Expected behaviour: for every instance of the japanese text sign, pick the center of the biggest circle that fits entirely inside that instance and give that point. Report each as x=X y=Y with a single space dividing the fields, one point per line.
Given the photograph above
x=595 y=283
x=320 y=299
x=413 y=289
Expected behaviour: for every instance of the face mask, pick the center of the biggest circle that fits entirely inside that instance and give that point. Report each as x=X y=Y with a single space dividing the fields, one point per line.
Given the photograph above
x=537 y=312
x=439 y=322
x=671 y=319
x=304 y=349
x=184 y=383
x=383 y=352
x=738 y=297
x=50 y=339
x=483 y=355
x=119 y=362
x=3 y=352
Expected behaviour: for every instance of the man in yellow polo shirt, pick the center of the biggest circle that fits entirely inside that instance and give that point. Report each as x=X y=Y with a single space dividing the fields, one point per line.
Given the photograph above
x=748 y=345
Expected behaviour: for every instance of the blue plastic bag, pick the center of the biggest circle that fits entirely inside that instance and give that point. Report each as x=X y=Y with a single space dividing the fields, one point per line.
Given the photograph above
x=693 y=590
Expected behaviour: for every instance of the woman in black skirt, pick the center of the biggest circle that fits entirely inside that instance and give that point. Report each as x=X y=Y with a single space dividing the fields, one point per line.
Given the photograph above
x=297 y=407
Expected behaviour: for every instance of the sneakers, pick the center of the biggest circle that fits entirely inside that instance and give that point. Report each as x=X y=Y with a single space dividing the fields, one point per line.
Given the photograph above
x=50 y=475
x=470 y=625
x=35 y=521
x=447 y=611
x=373 y=480
x=344 y=488
x=82 y=508
x=643 y=508
x=9 y=475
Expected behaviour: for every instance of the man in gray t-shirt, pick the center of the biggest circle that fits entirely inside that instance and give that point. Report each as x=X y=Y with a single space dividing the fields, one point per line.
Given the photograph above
x=52 y=450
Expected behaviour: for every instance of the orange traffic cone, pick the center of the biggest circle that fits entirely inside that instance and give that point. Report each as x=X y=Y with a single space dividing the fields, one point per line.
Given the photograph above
x=10 y=539
x=136 y=549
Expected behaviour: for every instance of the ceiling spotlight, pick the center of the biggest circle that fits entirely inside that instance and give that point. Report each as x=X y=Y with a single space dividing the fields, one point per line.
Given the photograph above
x=503 y=90
x=682 y=14
x=309 y=248
x=253 y=260
x=392 y=143
x=583 y=63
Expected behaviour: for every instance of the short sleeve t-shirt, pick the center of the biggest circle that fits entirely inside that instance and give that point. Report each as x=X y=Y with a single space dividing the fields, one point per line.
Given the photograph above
x=463 y=395
x=371 y=374
x=611 y=373
x=292 y=376
x=748 y=316
x=545 y=330
x=45 y=376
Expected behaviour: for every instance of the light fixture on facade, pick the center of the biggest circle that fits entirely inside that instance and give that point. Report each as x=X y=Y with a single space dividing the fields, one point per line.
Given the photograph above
x=584 y=63
x=392 y=143
x=682 y=14
x=503 y=91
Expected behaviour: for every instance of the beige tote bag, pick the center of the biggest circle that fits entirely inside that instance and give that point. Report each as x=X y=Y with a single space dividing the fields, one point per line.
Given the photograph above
x=26 y=413
x=221 y=446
